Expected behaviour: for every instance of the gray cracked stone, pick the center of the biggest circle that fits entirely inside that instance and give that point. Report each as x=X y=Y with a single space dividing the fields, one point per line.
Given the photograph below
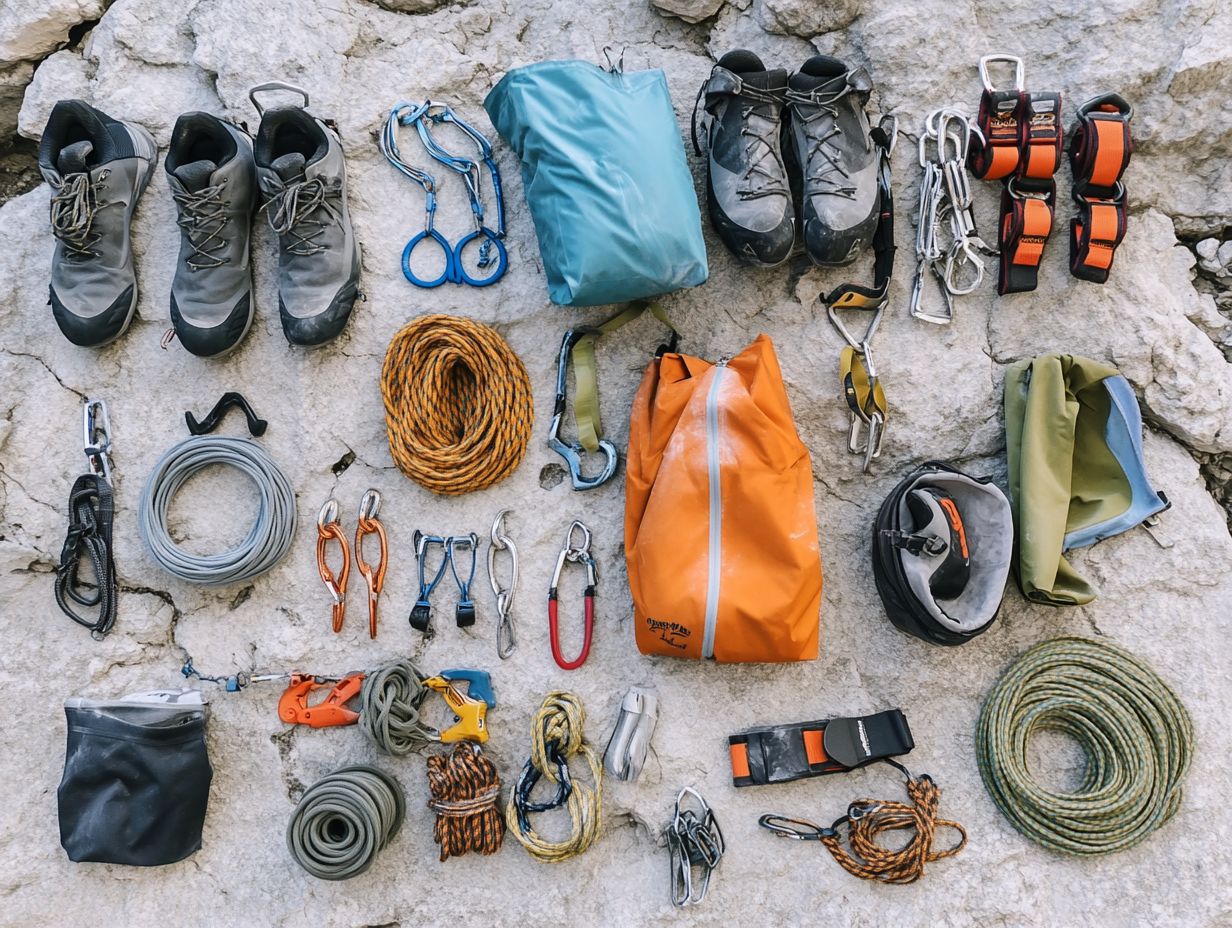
x=149 y=60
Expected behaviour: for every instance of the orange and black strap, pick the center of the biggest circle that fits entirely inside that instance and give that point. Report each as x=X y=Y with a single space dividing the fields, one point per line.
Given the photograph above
x=783 y=753
x=1100 y=149
x=994 y=153
x=1029 y=197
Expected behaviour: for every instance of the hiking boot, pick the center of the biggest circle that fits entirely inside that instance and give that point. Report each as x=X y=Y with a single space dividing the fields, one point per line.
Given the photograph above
x=747 y=191
x=97 y=167
x=213 y=180
x=302 y=174
x=832 y=161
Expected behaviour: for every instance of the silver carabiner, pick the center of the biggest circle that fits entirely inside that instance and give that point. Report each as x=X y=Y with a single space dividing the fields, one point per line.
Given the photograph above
x=572 y=451
x=506 y=636
x=1020 y=79
x=370 y=505
x=96 y=438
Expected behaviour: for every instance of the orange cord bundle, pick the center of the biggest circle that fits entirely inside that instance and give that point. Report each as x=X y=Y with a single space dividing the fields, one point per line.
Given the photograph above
x=465 y=794
x=458 y=408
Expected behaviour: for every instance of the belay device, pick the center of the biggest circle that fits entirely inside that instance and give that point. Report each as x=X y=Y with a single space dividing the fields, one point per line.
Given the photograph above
x=942 y=545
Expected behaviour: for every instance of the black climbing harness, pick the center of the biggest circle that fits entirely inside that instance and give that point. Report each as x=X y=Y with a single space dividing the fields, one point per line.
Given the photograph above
x=91 y=508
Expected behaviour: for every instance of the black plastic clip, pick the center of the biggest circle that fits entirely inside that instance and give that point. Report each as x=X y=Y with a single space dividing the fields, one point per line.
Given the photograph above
x=256 y=425
x=421 y=615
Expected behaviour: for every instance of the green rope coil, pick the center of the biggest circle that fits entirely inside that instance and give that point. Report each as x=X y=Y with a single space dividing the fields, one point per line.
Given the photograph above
x=343 y=820
x=1135 y=732
x=389 y=707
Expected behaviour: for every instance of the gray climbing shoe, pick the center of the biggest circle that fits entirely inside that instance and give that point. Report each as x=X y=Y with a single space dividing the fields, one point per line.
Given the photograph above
x=97 y=167
x=831 y=160
x=213 y=179
x=302 y=174
x=747 y=189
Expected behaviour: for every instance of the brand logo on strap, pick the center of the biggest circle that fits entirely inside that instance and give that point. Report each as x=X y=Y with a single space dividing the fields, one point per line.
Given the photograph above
x=868 y=751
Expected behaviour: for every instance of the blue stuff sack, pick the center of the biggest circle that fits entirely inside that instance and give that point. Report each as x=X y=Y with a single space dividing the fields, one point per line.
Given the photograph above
x=606 y=180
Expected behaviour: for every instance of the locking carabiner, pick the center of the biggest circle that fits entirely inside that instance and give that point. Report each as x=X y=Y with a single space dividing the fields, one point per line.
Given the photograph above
x=328 y=527
x=572 y=451
x=577 y=554
x=370 y=524
x=506 y=637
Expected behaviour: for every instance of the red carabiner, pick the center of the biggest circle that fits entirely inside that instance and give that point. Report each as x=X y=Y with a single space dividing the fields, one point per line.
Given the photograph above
x=578 y=555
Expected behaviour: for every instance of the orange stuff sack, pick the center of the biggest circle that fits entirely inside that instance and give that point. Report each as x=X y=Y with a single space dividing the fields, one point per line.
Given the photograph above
x=720 y=532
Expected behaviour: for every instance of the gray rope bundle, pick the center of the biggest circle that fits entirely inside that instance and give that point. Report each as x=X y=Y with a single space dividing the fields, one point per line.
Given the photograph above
x=389 y=705
x=343 y=820
x=1136 y=734
x=266 y=542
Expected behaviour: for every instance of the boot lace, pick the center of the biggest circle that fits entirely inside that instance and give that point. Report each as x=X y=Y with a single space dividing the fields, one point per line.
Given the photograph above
x=203 y=216
x=74 y=207
x=302 y=210
x=763 y=177
x=824 y=162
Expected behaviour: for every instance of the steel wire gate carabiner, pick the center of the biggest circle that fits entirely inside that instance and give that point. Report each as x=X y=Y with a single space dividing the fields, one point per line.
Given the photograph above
x=572 y=451
x=576 y=554
x=422 y=116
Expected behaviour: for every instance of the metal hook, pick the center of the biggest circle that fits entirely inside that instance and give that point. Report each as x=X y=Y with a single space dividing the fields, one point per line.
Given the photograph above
x=506 y=636
x=96 y=438
x=572 y=451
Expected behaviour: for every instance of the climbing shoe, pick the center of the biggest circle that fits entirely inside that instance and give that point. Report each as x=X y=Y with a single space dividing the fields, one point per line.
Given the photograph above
x=831 y=160
x=213 y=180
x=302 y=176
x=97 y=167
x=747 y=190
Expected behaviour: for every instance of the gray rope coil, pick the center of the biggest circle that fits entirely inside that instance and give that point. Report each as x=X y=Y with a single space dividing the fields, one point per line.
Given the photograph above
x=343 y=820
x=389 y=707
x=1136 y=734
x=267 y=541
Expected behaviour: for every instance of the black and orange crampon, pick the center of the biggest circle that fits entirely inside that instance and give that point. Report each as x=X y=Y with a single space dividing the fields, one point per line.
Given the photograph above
x=1019 y=143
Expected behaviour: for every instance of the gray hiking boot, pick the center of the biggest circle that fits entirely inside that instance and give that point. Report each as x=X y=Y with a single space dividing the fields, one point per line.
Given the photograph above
x=831 y=159
x=747 y=190
x=213 y=180
x=97 y=167
x=302 y=174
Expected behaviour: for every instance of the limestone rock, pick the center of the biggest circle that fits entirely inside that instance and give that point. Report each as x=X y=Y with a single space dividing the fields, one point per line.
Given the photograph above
x=691 y=11
x=150 y=60
x=29 y=29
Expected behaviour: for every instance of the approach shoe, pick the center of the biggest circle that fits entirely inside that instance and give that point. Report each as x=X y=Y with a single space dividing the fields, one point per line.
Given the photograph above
x=97 y=167
x=213 y=179
x=302 y=175
x=831 y=159
x=747 y=190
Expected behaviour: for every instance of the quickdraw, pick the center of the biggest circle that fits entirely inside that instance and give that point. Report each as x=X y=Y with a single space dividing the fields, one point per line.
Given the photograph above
x=578 y=345
x=694 y=842
x=945 y=199
x=330 y=529
x=91 y=507
x=464 y=612
x=506 y=633
x=857 y=372
x=370 y=524
x=421 y=117
x=1099 y=153
x=1020 y=143
x=421 y=612
x=575 y=554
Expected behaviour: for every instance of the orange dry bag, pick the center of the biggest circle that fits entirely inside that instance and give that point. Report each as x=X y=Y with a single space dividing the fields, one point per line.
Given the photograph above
x=720 y=532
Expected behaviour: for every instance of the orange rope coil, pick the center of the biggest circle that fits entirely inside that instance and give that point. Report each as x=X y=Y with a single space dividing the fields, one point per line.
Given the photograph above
x=458 y=408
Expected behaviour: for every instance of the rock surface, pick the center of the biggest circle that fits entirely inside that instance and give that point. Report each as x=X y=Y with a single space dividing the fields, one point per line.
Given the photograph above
x=148 y=60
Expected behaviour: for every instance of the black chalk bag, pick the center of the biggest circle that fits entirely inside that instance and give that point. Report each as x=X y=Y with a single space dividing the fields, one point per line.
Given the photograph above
x=136 y=781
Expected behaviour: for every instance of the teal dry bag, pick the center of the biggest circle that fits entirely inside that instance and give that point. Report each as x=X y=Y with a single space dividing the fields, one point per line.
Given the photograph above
x=606 y=180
